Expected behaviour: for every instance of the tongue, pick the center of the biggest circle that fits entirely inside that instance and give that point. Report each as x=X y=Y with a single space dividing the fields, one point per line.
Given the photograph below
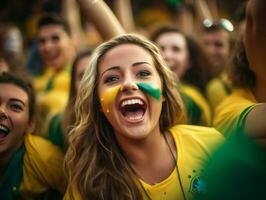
x=2 y=134
x=134 y=115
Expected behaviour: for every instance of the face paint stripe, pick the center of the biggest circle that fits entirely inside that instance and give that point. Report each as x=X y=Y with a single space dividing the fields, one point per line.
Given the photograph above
x=108 y=97
x=150 y=90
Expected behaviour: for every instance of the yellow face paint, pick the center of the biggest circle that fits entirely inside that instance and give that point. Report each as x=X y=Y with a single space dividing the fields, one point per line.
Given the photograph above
x=108 y=97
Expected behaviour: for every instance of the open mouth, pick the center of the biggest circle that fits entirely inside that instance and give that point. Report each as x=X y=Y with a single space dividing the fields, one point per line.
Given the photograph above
x=133 y=110
x=4 y=131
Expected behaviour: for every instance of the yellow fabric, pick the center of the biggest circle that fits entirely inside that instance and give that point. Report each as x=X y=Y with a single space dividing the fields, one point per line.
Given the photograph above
x=201 y=101
x=42 y=167
x=194 y=144
x=227 y=114
x=54 y=100
x=216 y=91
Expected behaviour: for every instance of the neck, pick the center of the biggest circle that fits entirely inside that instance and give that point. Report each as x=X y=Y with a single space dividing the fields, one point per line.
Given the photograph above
x=151 y=159
x=259 y=90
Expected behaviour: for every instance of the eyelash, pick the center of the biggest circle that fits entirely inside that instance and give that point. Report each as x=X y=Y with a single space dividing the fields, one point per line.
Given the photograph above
x=16 y=107
x=109 y=79
x=141 y=74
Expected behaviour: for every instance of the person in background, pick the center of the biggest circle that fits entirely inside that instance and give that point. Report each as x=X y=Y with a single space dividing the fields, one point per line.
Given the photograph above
x=57 y=51
x=30 y=166
x=186 y=58
x=238 y=167
x=217 y=37
x=125 y=143
x=62 y=122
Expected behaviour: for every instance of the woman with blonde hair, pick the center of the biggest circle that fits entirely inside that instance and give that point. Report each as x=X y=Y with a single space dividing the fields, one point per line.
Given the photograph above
x=125 y=143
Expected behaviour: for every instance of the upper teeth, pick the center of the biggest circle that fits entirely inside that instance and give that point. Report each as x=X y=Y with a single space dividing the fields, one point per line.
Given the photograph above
x=3 y=128
x=132 y=101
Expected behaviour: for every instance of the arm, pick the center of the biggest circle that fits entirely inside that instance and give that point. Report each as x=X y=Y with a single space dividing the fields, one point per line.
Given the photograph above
x=102 y=17
x=70 y=11
x=255 y=122
x=123 y=12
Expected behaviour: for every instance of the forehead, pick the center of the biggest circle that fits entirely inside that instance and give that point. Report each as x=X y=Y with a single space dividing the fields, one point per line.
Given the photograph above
x=51 y=30
x=125 y=54
x=171 y=38
x=216 y=35
x=12 y=91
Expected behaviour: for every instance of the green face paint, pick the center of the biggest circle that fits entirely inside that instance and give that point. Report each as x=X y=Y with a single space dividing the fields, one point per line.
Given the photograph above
x=150 y=90
x=108 y=97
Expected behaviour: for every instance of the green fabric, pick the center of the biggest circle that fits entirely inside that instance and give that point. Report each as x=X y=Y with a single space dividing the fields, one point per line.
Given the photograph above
x=236 y=171
x=193 y=111
x=10 y=187
x=49 y=85
x=55 y=132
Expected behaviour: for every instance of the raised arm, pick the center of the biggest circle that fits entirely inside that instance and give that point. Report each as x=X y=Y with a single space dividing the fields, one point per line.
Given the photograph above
x=102 y=17
x=123 y=11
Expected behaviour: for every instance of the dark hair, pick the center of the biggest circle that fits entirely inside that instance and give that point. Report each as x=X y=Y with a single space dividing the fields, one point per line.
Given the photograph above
x=239 y=71
x=25 y=85
x=54 y=19
x=69 y=118
x=200 y=71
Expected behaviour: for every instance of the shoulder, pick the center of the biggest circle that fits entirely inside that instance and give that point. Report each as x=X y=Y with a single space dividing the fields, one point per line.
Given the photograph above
x=41 y=149
x=197 y=134
x=228 y=113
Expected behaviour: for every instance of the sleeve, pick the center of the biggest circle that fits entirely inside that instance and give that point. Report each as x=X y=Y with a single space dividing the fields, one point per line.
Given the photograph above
x=231 y=114
x=43 y=167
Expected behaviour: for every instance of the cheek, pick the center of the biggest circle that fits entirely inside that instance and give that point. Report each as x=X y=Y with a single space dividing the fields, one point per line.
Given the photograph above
x=107 y=97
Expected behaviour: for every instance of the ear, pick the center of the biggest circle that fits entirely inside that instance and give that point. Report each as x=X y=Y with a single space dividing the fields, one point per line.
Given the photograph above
x=31 y=126
x=163 y=98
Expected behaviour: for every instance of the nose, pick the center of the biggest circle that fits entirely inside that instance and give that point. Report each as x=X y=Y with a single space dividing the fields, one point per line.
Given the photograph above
x=2 y=114
x=129 y=85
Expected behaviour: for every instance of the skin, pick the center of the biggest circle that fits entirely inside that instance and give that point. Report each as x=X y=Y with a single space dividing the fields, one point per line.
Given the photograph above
x=55 y=46
x=14 y=116
x=126 y=65
x=175 y=52
x=255 y=44
x=218 y=46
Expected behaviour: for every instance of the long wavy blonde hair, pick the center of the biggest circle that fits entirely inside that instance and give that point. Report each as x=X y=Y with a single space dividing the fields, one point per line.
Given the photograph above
x=94 y=163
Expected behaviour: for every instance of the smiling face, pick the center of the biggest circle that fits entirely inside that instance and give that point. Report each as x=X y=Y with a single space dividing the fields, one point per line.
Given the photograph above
x=175 y=52
x=217 y=44
x=131 y=112
x=14 y=117
x=55 y=46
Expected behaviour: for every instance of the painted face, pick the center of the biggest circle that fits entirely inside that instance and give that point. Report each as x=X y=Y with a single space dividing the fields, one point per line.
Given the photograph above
x=175 y=52
x=218 y=47
x=14 y=117
x=81 y=66
x=123 y=73
x=55 y=46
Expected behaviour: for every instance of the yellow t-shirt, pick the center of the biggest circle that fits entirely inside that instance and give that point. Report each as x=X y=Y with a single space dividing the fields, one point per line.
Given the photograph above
x=231 y=113
x=42 y=168
x=52 y=90
x=217 y=90
x=194 y=144
x=201 y=102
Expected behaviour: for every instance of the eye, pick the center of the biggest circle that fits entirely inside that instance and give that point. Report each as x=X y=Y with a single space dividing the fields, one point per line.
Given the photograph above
x=16 y=107
x=176 y=49
x=111 y=79
x=143 y=74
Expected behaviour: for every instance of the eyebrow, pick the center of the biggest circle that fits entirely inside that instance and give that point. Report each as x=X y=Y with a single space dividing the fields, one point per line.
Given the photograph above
x=17 y=100
x=118 y=67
